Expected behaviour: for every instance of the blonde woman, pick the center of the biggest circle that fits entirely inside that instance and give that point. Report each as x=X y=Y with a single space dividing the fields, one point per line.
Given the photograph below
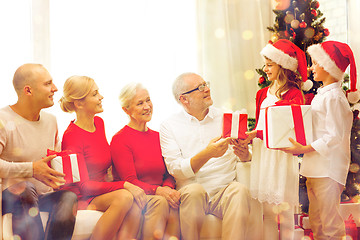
x=137 y=157
x=86 y=137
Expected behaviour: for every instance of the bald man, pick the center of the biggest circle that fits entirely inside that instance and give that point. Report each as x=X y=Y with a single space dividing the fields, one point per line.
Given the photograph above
x=26 y=133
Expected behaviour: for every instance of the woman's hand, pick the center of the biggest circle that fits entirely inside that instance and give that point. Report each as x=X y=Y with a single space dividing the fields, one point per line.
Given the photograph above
x=251 y=135
x=138 y=194
x=171 y=195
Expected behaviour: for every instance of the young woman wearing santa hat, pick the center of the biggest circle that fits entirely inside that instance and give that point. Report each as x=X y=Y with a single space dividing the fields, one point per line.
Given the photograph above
x=326 y=160
x=275 y=174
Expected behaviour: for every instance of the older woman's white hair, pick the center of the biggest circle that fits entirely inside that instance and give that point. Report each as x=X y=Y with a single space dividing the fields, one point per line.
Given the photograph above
x=128 y=92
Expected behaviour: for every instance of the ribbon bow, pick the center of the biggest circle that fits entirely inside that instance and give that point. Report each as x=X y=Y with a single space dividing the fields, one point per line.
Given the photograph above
x=60 y=154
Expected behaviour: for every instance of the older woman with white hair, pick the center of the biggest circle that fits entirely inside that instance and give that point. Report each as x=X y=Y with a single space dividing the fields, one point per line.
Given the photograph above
x=137 y=158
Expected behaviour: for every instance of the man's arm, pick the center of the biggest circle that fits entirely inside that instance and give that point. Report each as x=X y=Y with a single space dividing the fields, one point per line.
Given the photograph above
x=184 y=168
x=216 y=148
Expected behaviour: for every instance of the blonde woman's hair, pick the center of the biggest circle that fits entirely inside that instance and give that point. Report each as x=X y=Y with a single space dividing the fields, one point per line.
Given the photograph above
x=128 y=92
x=75 y=88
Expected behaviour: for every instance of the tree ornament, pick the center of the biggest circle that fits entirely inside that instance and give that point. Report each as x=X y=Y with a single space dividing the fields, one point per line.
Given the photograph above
x=295 y=24
x=326 y=32
x=314 y=12
x=302 y=16
x=294 y=3
x=303 y=25
x=261 y=80
x=315 y=4
x=274 y=38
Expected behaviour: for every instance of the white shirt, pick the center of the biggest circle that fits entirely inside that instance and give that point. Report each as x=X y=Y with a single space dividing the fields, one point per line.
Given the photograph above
x=23 y=142
x=183 y=136
x=332 y=122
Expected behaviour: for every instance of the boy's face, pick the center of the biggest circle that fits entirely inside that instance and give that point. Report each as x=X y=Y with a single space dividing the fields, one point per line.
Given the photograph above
x=319 y=72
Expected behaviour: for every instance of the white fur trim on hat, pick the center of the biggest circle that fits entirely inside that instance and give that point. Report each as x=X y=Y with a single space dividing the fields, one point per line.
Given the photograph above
x=279 y=57
x=324 y=60
x=353 y=97
x=307 y=85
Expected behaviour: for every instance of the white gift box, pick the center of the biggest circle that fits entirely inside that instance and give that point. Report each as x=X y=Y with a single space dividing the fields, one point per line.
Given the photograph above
x=351 y=208
x=68 y=165
x=284 y=122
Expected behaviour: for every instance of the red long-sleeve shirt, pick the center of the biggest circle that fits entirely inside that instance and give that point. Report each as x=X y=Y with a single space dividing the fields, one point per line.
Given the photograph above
x=137 y=159
x=93 y=148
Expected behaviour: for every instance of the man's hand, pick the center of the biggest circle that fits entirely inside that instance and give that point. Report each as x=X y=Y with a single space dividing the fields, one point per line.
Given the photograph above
x=171 y=195
x=297 y=148
x=241 y=149
x=47 y=175
x=218 y=146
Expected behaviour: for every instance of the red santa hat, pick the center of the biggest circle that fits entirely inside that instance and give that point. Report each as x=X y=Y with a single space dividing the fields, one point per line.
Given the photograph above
x=335 y=57
x=288 y=56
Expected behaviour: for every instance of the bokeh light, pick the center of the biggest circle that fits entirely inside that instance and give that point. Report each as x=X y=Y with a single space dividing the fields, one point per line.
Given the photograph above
x=33 y=212
x=247 y=35
x=249 y=74
x=309 y=32
x=354 y=167
x=219 y=33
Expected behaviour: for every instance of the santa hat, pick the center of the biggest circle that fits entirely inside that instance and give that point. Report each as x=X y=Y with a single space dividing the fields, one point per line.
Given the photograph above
x=287 y=55
x=335 y=57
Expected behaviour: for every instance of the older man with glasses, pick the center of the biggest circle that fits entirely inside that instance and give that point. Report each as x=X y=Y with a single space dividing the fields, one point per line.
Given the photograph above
x=203 y=165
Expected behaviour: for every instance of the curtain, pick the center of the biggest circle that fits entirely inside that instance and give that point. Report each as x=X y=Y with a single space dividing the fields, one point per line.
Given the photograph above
x=231 y=35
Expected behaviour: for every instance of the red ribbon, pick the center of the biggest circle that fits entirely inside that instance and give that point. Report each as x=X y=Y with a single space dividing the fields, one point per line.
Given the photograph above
x=60 y=154
x=298 y=124
x=66 y=163
x=301 y=219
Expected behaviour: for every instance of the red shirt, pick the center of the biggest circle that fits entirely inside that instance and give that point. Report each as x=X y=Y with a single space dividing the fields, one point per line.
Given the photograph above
x=93 y=148
x=137 y=159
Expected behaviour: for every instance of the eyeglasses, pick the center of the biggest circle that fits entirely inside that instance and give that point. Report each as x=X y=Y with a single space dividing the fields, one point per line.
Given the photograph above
x=201 y=88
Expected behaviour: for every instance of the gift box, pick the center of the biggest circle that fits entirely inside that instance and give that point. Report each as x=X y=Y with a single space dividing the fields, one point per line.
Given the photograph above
x=347 y=209
x=284 y=122
x=351 y=229
x=303 y=221
x=70 y=164
x=235 y=125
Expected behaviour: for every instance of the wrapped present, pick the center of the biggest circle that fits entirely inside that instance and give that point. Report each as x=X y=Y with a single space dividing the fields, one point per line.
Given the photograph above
x=351 y=208
x=235 y=125
x=351 y=229
x=303 y=221
x=68 y=163
x=284 y=122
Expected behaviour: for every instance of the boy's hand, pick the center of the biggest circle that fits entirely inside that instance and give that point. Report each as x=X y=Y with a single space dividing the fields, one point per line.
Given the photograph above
x=297 y=148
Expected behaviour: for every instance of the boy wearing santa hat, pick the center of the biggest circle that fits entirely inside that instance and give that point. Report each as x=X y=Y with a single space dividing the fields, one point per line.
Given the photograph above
x=326 y=160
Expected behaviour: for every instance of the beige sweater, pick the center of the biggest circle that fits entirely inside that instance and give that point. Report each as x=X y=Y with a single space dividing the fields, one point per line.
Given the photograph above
x=23 y=142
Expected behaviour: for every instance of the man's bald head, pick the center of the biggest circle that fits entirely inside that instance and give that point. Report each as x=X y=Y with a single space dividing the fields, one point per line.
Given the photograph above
x=25 y=75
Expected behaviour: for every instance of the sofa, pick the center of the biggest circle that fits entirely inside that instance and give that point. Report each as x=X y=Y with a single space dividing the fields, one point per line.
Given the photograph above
x=86 y=219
